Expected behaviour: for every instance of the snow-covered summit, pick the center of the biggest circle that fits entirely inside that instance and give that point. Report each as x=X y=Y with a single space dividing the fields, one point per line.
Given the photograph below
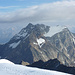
x=9 y=69
x=54 y=29
x=24 y=32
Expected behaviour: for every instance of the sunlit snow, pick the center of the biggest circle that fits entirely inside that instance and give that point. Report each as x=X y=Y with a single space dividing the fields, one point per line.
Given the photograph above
x=53 y=30
x=5 y=61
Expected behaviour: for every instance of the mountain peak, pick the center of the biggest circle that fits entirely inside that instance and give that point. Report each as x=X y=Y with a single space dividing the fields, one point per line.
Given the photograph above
x=38 y=29
x=29 y=25
x=31 y=45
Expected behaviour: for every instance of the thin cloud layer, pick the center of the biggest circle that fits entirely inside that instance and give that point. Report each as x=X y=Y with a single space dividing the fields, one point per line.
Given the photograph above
x=63 y=11
x=1 y=7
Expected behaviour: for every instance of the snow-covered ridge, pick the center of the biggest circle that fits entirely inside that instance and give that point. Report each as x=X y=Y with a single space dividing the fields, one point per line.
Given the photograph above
x=53 y=30
x=21 y=34
x=9 y=69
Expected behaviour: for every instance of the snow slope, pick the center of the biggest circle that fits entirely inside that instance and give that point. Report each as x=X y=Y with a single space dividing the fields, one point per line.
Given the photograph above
x=5 y=61
x=13 y=69
x=14 y=45
x=53 y=30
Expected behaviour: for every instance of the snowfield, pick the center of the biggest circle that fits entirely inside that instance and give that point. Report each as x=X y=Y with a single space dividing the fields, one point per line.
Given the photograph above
x=5 y=61
x=8 y=68
x=53 y=30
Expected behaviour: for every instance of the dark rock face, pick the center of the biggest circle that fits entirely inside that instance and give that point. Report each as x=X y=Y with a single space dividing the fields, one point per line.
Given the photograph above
x=53 y=65
x=30 y=45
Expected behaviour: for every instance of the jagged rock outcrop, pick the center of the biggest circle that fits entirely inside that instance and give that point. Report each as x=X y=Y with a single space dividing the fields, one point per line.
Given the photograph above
x=53 y=65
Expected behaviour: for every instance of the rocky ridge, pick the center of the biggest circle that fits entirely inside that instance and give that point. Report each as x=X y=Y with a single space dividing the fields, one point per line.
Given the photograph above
x=40 y=42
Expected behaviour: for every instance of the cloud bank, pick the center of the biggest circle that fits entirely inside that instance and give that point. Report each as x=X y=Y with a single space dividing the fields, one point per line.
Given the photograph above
x=61 y=11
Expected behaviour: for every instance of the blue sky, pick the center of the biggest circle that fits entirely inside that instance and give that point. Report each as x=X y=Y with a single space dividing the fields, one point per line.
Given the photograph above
x=10 y=5
x=24 y=2
x=18 y=13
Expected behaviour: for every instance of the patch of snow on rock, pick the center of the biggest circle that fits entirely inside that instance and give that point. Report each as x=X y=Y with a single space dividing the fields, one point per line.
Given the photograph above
x=14 y=45
x=53 y=30
x=35 y=43
x=40 y=42
x=73 y=38
x=74 y=61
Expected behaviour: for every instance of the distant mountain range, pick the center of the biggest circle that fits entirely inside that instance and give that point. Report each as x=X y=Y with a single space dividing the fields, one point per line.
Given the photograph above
x=6 y=34
x=40 y=42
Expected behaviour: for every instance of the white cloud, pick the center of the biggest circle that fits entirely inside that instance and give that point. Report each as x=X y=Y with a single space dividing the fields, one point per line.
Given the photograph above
x=6 y=7
x=58 y=12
